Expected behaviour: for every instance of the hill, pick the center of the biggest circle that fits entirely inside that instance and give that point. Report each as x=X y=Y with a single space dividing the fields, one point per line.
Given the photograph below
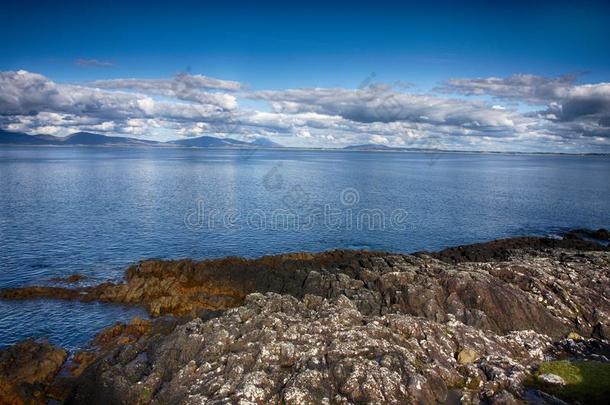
x=92 y=139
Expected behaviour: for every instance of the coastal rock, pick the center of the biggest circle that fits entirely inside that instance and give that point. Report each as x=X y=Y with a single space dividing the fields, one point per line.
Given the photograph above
x=73 y=278
x=544 y=287
x=340 y=326
x=279 y=349
x=600 y=234
x=502 y=249
x=26 y=370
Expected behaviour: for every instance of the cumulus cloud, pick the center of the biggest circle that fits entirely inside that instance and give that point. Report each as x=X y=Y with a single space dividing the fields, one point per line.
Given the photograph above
x=196 y=88
x=30 y=99
x=584 y=107
x=382 y=104
x=531 y=88
x=569 y=116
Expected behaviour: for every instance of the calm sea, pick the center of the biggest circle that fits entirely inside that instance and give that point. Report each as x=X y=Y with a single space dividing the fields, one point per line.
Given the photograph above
x=94 y=211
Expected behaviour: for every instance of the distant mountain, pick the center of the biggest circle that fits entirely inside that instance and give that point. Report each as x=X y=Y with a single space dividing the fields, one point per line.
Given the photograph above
x=212 y=142
x=266 y=143
x=79 y=138
x=16 y=138
x=368 y=146
x=87 y=138
x=91 y=139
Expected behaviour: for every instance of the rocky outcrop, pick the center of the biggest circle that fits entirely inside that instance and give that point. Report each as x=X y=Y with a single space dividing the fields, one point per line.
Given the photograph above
x=345 y=326
x=278 y=349
x=552 y=290
x=600 y=235
x=26 y=371
x=503 y=249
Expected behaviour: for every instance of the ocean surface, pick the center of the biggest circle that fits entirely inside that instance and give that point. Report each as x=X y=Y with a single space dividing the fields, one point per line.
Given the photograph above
x=94 y=211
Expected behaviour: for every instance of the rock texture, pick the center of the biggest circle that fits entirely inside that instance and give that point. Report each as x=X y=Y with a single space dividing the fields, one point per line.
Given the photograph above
x=542 y=287
x=278 y=349
x=466 y=324
x=26 y=371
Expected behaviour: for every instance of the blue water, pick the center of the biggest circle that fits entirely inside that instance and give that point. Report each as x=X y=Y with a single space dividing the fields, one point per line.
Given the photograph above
x=94 y=211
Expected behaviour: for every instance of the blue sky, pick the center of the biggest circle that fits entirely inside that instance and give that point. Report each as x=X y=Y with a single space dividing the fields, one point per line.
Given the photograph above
x=415 y=49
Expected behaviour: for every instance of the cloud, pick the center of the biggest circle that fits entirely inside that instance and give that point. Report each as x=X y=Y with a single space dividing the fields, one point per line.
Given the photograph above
x=522 y=87
x=565 y=100
x=382 y=104
x=30 y=101
x=378 y=139
x=196 y=88
x=93 y=63
x=567 y=116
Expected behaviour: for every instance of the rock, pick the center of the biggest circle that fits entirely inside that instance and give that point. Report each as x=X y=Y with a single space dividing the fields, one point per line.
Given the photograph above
x=26 y=370
x=466 y=356
x=600 y=234
x=541 y=287
x=342 y=326
x=279 y=349
x=583 y=349
x=104 y=343
x=121 y=334
x=502 y=249
x=551 y=380
x=74 y=278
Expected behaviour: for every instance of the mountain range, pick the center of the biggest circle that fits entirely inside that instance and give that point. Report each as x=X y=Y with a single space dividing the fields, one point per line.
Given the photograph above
x=91 y=139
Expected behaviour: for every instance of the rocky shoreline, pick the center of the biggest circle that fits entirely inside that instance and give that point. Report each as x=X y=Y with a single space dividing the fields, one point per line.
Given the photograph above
x=470 y=324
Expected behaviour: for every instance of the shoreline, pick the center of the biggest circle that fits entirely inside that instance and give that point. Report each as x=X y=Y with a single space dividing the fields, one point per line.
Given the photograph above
x=313 y=149
x=486 y=295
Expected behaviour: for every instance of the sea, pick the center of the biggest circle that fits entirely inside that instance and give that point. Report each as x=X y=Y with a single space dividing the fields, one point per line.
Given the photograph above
x=96 y=210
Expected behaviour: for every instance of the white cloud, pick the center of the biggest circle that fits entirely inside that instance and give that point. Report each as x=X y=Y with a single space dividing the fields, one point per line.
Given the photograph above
x=584 y=108
x=574 y=116
x=378 y=139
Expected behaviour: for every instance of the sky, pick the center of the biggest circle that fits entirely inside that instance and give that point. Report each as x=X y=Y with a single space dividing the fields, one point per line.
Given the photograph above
x=505 y=76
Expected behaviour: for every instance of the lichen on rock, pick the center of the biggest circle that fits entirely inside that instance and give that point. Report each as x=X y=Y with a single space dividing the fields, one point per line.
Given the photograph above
x=469 y=324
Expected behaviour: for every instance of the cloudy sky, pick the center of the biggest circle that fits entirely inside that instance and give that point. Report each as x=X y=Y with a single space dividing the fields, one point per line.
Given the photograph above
x=477 y=76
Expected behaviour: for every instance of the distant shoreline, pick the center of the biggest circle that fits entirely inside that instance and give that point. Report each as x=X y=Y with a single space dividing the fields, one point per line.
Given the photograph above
x=297 y=148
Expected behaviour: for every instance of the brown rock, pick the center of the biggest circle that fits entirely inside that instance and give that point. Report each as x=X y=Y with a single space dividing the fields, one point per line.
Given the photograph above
x=466 y=356
x=74 y=278
x=542 y=287
x=26 y=370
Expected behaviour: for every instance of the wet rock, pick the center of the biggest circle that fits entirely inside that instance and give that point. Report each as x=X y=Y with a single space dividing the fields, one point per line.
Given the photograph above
x=599 y=235
x=26 y=370
x=74 y=278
